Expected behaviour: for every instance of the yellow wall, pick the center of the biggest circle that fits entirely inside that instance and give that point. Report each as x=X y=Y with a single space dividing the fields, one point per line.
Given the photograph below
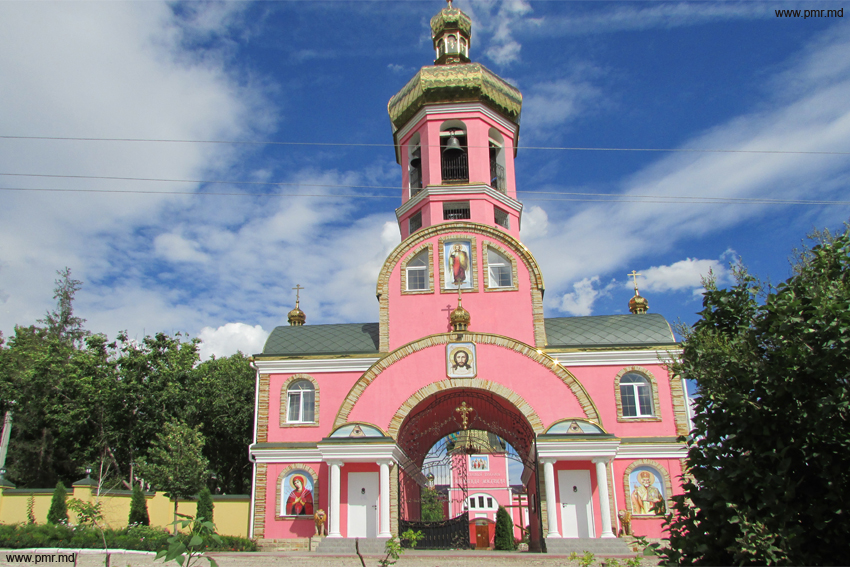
x=230 y=513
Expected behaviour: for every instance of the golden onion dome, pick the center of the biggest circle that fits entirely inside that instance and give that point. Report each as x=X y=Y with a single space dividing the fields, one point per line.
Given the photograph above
x=638 y=304
x=460 y=317
x=296 y=317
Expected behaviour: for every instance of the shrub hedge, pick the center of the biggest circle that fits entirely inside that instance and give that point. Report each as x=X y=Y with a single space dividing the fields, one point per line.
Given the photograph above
x=141 y=538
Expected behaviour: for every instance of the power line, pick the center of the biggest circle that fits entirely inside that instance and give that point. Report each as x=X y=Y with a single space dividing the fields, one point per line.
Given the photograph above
x=367 y=145
x=652 y=199
x=608 y=196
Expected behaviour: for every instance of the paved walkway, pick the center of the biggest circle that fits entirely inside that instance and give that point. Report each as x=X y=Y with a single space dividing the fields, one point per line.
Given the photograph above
x=91 y=558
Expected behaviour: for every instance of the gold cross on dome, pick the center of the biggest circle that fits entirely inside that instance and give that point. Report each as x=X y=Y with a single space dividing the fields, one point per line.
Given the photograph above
x=464 y=409
x=634 y=275
x=298 y=289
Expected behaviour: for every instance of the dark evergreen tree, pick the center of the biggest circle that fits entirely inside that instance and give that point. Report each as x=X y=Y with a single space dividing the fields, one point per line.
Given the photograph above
x=205 y=505
x=139 y=507
x=504 y=539
x=58 y=513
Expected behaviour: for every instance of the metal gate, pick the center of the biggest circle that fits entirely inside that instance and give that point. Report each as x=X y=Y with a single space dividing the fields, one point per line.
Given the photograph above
x=448 y=534
x=433 y=438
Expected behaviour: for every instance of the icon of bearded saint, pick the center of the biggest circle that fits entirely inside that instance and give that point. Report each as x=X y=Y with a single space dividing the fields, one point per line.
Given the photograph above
x=460 y=264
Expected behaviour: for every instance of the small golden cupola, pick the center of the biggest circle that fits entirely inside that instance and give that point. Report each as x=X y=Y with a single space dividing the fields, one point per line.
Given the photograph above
x=296 y=317
x=451 y=31
x=638 y=305
x=460 y=317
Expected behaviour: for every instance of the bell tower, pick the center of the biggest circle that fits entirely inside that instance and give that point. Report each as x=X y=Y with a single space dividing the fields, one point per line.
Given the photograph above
x=455 y=128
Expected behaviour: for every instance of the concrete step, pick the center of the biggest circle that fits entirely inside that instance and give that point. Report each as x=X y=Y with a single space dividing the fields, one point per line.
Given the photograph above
x=345 y=546
x=607 y=546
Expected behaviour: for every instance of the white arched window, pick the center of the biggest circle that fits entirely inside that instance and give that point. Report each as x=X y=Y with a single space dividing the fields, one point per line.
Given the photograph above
x=417 y=272
x=500 y=269
x=636 y=396
x=301 y=402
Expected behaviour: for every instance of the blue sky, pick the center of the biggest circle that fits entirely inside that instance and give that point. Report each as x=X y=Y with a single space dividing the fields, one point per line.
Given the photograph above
x=646 y=75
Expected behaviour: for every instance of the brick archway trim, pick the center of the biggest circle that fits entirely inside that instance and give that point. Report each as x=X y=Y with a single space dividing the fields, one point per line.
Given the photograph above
x=587 y=405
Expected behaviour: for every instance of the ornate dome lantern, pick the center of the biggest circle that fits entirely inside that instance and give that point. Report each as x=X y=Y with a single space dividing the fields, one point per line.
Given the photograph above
x=451 y=31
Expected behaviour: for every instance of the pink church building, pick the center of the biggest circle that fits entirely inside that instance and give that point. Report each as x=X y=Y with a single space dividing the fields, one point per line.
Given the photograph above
x=348 y=415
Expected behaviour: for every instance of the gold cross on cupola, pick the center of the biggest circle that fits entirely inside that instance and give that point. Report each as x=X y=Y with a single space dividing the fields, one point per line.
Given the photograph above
x=634 y=275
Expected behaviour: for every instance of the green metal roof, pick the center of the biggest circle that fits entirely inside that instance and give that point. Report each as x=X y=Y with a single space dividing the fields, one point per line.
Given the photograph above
x=351 y=338
x=608 y=331
x=650 y=329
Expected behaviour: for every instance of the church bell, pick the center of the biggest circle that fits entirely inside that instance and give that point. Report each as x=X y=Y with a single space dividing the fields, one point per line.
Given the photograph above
x=453 y=147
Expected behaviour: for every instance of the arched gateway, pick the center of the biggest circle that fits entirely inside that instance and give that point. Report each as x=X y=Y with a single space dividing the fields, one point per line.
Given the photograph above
x=463 y=398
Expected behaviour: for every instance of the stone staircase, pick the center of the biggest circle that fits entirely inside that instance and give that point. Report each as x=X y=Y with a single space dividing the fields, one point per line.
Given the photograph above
x=345 y=546
x=606 y=546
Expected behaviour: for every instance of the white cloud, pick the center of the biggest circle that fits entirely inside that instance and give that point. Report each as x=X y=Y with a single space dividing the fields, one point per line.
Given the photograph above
x=685 y=274
x=110 y=70
x=230 y=338
x=535 y=223
x=650 y=16
x=810 y=115
x=586 y=291
x=175 y=248
x=548 y=106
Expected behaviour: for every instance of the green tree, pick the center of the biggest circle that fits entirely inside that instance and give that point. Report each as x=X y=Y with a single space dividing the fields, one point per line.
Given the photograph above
x=175 y=463
x=504 y=538
x=138 y=507
x=769 y=456
x=36 y=383
x=58 y=512
x=224 y=390
x=205 y=505
x=432 y=505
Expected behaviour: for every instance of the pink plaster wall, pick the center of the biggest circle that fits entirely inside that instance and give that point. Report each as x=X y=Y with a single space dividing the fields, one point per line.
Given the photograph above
x=599 y=383
x=333 y=387
x=277 y=528
x=544 y=391
x=507 y=313
x=477 y=129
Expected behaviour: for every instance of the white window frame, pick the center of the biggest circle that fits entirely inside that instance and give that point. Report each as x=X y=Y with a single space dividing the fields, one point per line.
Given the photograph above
x=633 y=389
x=503 y=263
x=295 y=391
x=423 y=269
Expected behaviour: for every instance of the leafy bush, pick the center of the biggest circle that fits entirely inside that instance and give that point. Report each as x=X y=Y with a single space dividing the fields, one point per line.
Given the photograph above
x=142 y=538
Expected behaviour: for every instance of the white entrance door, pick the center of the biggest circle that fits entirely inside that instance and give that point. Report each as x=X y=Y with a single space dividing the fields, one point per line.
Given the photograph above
x=576 y=504
x=362 y=504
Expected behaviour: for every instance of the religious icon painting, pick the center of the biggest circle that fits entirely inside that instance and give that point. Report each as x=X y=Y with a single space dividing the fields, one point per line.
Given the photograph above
x=458 y=269
x=647 y=492
x=298 y=494
x=460 y=360
x=479 y=463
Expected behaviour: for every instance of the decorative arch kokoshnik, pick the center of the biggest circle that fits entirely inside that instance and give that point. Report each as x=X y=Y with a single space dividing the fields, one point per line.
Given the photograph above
x=460 y=228
x=523 y=349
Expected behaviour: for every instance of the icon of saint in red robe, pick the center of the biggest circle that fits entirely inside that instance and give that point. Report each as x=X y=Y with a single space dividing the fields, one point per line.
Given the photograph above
x=459 y=260
x=300 y=500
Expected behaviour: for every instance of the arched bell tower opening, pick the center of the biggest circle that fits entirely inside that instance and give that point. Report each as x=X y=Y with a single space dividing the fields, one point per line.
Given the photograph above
x=450 y=439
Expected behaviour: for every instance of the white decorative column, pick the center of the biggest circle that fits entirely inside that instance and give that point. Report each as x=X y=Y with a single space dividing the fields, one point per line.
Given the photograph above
x=551 y=501
x=385 y=498
x=604 y=503
x=333 y=520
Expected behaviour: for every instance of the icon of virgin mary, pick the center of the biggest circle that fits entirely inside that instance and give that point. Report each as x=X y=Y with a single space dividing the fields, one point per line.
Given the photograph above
x=300 y=501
